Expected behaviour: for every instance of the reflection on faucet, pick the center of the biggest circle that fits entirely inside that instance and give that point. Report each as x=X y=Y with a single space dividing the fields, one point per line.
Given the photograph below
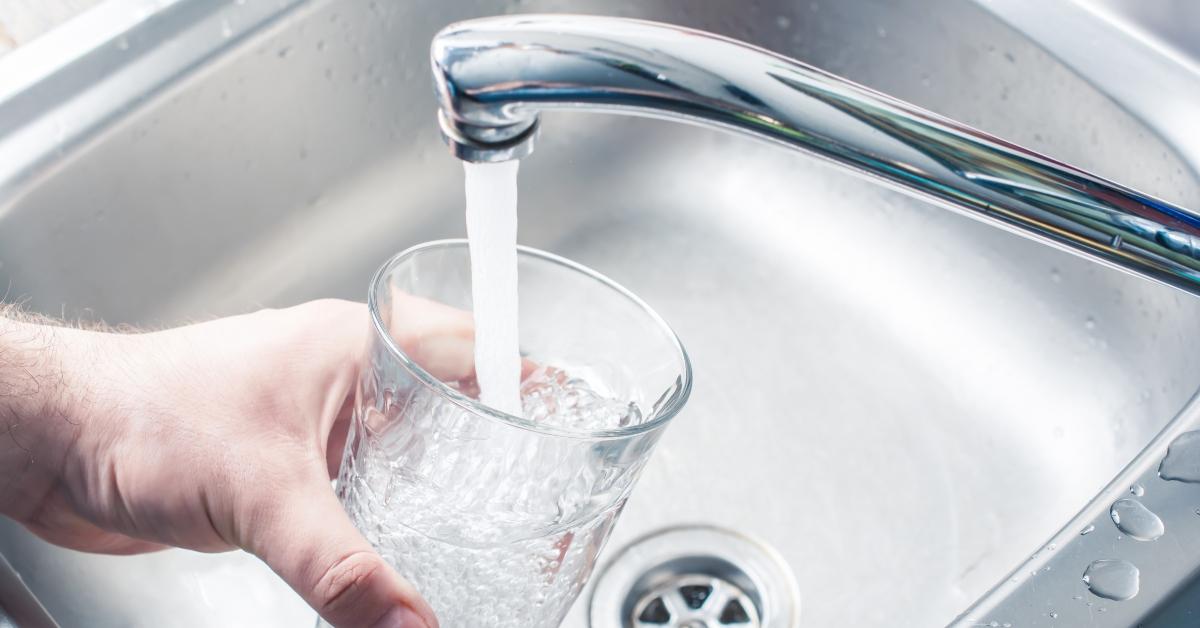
x=494 y=75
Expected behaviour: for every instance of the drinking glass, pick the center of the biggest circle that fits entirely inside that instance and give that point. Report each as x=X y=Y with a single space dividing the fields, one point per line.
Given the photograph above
x=498 y=519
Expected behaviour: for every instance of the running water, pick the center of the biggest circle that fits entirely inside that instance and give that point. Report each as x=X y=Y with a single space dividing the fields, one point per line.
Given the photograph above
x=496 y=526
x=492 y=238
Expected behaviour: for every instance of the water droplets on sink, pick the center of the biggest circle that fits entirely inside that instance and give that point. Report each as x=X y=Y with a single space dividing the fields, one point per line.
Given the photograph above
x=1112 y=579
x=1182 y=462
x=1137 y=490
x=1134 y=519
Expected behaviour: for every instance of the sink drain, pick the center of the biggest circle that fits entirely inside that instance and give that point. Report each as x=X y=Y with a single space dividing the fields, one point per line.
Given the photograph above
x=696 y=602
x=695 y=577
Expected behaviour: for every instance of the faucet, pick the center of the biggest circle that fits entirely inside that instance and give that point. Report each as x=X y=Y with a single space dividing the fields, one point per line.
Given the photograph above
x=494 y=75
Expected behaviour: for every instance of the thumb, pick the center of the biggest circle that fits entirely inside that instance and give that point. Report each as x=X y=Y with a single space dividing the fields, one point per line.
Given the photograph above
x=309 y=541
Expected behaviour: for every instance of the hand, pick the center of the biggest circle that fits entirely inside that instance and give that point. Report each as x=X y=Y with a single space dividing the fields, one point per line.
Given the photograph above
x=214 y=436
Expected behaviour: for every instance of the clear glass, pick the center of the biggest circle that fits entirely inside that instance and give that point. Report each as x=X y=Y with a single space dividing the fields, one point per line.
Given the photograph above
x=498 y=519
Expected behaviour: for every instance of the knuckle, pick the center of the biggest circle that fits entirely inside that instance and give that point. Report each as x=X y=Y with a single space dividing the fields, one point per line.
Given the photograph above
x=343 y=584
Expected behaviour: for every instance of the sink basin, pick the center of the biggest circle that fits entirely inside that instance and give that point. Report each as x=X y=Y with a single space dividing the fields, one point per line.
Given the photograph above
x=902 y=428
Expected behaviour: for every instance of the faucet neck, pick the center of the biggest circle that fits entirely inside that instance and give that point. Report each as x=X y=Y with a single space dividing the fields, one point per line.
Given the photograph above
x=494 y=75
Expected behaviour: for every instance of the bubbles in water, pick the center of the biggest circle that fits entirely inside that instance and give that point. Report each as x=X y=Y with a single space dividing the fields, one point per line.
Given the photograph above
x=551 y=396
x=1112 y=579
x=488 y=521
x=1137 y=490
x=1182 y=462
x=1134 y=519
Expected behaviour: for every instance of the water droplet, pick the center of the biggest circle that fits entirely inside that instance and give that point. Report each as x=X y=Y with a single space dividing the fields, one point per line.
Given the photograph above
x=320 y=45
x=1085 y=531
x=226 y=29
x=1076 y=597
x=925 y=80
x=783 y=22
x=285 y=52
x=1137 y=490
x=122 y=43
x=1112 y=579
x=1134 y=519
x=1053 y=615
x=1089 y=323
x=1182 y=462
x=661 y=77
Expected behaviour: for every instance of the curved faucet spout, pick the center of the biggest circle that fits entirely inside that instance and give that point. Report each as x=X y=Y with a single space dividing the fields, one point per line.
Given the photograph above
x=494 y=75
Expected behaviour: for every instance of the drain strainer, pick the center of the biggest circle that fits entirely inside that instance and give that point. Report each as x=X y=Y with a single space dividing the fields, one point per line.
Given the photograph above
x=696 y=602
x=695 y=577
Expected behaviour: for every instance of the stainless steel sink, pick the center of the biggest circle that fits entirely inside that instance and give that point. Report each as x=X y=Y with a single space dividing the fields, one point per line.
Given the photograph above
x=902 y=428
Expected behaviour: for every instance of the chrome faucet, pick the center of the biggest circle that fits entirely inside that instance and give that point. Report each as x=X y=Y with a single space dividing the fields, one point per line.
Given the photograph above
x=493 y=76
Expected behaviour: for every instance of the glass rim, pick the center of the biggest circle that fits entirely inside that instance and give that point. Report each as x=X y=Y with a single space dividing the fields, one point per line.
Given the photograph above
x=673 y=404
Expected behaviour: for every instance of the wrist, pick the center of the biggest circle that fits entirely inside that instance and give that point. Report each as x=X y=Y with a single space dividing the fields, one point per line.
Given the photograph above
x=42 y=389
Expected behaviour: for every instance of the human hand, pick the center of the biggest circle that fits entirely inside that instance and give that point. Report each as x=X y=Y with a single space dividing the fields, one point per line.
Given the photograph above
x=213 y=436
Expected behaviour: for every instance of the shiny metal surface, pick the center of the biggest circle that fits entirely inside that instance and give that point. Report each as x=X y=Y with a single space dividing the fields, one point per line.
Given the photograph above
x=730 y=565
x=1048 y=589
x=494 y=75
x=904 y=426
x=696 y=602
x=18 y=607
x=1157 y=83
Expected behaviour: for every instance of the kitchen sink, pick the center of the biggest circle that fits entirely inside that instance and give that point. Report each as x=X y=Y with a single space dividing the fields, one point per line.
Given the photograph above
x=897 y=428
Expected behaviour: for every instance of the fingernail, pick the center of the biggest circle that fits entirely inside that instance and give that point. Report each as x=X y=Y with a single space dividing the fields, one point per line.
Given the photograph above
x=400 y=617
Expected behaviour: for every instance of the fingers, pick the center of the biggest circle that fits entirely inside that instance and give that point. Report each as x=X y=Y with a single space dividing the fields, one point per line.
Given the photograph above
x=85 y=537
x=310 y=542
x=441 y=339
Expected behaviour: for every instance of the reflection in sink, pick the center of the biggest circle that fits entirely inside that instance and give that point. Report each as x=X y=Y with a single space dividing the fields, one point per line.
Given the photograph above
x=904 y=427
